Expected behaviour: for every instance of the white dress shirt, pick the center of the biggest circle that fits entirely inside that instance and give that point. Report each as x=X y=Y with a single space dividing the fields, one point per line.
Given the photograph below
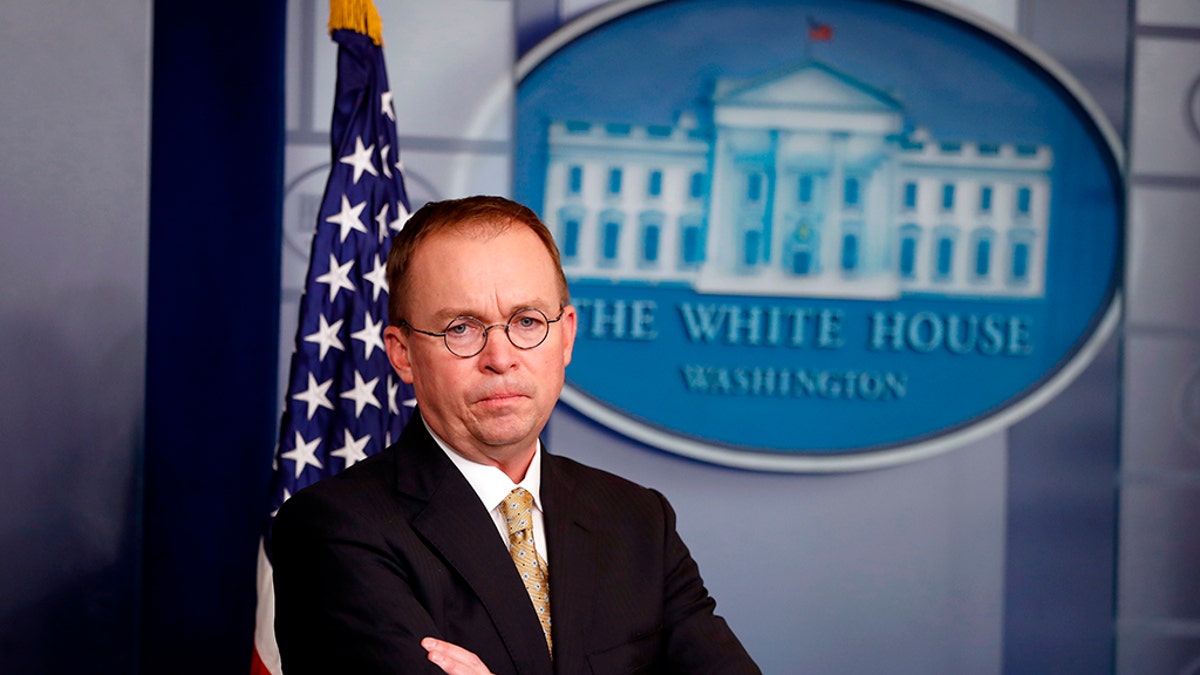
x=492 y=485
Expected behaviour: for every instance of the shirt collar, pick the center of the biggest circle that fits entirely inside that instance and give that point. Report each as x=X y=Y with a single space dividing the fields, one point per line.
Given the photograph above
x=490 y=483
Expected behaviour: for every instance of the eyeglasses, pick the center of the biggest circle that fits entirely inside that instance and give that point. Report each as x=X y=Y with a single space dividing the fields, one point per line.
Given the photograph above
x=466 y=336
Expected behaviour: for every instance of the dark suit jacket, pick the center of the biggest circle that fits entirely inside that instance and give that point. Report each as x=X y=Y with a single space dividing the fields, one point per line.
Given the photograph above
x=399 y=547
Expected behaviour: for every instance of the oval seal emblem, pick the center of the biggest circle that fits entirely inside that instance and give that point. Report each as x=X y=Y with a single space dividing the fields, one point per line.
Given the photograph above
x=818 y=236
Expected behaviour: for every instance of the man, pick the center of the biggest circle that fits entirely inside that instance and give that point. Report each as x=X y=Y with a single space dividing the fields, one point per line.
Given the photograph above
x=434 y=555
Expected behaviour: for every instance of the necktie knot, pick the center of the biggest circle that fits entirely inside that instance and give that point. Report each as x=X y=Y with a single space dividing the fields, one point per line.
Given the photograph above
x=517 y=509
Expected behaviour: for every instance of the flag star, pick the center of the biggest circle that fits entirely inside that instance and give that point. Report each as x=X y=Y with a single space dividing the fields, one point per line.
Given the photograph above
x=371 y=335
x=383 y=160
x=377 y=277
x=349 y=218
x=381 y=220
x=337 y=277
x=363 y=393
x=304 y=454
x=360 y=159
x=315 y=396
x=327 y=336
x=352 y=448
x=386 y=104
x=393 y=388
x=402 y=216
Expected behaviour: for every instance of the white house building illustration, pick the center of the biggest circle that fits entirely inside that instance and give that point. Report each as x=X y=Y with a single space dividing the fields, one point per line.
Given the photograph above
x=804 y=182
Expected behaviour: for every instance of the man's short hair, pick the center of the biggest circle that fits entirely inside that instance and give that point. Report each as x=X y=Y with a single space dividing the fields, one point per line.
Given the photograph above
x=483 y=214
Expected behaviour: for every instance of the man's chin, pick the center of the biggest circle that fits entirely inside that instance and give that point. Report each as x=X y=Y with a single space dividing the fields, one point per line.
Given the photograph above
x=499 y=435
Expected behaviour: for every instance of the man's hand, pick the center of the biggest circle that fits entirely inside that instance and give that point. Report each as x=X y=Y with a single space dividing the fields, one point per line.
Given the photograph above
x=453 y=659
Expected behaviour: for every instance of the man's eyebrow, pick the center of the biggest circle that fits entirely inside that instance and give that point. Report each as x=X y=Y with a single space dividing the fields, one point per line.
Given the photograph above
x=539 y=304
x=449 y=314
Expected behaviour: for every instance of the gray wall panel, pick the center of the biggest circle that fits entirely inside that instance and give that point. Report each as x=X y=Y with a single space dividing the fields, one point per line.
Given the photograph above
x=74 y=126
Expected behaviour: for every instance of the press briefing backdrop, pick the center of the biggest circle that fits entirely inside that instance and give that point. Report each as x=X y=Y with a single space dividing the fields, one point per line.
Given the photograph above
x=996 y=556
x=1000 y=556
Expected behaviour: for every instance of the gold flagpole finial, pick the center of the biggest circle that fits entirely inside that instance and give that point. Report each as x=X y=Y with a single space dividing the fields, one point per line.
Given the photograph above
x=356 y=15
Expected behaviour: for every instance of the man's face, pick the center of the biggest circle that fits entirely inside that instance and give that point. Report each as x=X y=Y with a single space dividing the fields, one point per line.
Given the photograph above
x=492 y=406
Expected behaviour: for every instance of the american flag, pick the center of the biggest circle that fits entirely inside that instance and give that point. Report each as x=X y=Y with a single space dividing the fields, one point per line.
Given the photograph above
x=819 y=31
x=344 y=401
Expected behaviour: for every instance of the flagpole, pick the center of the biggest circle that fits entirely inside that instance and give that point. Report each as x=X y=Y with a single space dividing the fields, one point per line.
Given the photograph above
x=808 y=39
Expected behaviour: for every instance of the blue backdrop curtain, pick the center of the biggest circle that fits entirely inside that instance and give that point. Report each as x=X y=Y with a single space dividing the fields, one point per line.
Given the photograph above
x=215 y=221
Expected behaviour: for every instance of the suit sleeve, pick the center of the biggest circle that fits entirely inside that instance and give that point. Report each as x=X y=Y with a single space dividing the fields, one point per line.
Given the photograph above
x=344 y=601
x=696 y=640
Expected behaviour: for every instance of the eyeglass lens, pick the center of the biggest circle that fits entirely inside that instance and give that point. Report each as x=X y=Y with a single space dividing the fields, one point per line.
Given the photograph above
x=466 y=335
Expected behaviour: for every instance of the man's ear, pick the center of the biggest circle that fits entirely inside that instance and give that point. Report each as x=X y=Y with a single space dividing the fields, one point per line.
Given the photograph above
x=396 y=343
x=570 y=320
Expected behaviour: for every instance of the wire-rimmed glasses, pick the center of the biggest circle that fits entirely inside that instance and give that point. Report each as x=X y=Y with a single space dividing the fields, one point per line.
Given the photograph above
x=466 y=336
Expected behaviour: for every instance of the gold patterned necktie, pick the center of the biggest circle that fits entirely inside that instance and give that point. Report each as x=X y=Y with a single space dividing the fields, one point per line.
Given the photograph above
x=517 y=509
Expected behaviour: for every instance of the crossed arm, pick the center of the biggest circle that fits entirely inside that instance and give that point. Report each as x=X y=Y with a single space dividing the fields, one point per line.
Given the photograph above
x=346 y=603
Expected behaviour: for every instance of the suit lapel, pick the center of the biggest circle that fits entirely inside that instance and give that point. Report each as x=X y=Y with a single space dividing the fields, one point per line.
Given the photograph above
x=454 y=522
x=572 y=551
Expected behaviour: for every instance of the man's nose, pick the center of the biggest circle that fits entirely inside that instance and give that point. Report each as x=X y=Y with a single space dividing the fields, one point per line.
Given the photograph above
x=499 y=353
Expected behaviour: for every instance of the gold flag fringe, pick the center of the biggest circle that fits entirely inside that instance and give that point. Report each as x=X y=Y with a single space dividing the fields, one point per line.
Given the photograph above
x=356 y=15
